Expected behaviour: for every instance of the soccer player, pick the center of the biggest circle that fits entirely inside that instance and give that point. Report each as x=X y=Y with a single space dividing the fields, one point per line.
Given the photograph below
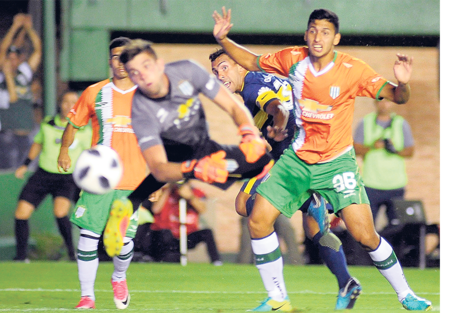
x=270 y=101
x=171 y=128
x=47 y=180
x=108 y=105
x=321 y=157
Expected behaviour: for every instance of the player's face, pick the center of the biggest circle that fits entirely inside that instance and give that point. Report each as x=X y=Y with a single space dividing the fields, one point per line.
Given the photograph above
x=321 y=38
x=228 y=72
x=147 y=73
x=119 y=72
x=68 y=101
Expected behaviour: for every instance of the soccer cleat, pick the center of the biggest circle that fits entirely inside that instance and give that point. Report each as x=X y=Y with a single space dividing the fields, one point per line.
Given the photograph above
x=85 y=303
x=269 y=305
x=348 y=295
x=121 y=294
x=317 y=209
x=116 y=227
x=21 y=260
x=414 y=303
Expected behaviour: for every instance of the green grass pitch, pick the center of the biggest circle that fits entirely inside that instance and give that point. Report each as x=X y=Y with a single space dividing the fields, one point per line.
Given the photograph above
x=158 y=287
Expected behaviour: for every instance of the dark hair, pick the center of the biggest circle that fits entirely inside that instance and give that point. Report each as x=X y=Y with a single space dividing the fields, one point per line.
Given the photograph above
x=135 y=47
x=66 y=91
x=324 y=14
x=118 y=42
x=61 y=98
x=216 y=54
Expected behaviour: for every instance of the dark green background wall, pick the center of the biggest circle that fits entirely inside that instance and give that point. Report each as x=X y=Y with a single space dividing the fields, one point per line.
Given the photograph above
x=87 y=24
x=41 y=221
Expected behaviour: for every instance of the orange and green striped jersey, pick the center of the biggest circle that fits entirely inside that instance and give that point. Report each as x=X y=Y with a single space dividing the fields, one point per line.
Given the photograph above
x=324 y=101
x=109 y=109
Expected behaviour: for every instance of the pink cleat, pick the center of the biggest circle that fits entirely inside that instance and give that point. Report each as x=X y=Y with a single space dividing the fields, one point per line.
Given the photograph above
x=121 y=294
x=85 y=303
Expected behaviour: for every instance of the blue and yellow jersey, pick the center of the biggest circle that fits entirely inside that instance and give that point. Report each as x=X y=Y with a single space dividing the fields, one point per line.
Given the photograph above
x=260 y=89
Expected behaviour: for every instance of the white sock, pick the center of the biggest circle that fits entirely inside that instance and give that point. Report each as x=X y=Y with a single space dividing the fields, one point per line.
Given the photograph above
x=269 y=262
x=87 y=260
x=123 y=260
x=385 y=260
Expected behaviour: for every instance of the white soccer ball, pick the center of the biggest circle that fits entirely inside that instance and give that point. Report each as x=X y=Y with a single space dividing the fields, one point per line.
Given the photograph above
x=98 y=170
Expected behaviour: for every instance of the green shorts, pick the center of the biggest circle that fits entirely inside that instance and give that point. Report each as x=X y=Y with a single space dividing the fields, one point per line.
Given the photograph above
x=291 y=182
x=92 y=211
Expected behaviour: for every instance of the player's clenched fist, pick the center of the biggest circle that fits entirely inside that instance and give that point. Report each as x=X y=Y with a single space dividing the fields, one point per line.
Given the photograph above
x=210 y=169
x=252 y=146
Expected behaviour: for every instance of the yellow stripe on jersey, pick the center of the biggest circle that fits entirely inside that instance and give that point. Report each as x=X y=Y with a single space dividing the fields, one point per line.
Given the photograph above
x=249 y=185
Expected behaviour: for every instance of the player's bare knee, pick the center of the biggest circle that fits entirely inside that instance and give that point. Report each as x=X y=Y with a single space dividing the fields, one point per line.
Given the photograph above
x=368 y=240
x=259 y=228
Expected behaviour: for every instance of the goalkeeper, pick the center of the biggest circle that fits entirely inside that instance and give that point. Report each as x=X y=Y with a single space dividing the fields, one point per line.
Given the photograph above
x=171 y=128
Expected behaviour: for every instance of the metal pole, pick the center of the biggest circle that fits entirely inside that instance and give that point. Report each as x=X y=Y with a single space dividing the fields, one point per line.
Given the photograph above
x=183 y=233
x=50 y=88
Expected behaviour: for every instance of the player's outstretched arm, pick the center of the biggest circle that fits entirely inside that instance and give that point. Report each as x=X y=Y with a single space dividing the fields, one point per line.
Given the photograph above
x=402 y=69
x=252 y=146
x=240 y=54
x=209 y=169
x=234 y=107
x=63 y=161
x=161 y=169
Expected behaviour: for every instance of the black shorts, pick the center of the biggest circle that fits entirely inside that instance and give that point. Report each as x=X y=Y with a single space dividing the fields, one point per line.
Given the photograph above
x=42 y=183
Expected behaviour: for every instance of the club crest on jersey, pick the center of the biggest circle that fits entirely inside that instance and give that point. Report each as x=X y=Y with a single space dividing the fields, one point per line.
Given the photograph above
x=79 y=212
x=334 y=92
x=186 y=88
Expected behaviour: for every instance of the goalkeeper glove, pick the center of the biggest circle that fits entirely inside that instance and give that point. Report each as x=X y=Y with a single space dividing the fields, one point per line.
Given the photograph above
x=252 y=146
x=209 y=169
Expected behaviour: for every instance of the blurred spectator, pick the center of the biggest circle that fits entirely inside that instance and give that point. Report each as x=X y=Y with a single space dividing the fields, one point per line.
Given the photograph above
x=160 y=239
x=16 y=97
x=47 y=179
x=384 y=140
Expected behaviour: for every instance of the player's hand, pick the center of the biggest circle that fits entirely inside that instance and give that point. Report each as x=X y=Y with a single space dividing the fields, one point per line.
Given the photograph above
x=20 y=171
x=63 y=162
x=210 y=169
x=276 y=133
x=222 y=24
x=403 y=68
x=252 y=146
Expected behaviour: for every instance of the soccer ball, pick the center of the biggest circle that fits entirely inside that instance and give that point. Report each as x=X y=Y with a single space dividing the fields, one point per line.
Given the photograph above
x=98 y=170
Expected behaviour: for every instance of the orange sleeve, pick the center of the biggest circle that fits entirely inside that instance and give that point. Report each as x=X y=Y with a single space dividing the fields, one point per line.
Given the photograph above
x=371 y=83
x=281 y=61
x=81 y=112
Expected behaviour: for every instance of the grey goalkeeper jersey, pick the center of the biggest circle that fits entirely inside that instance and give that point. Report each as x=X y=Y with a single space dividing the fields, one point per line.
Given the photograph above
x=178 y=118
